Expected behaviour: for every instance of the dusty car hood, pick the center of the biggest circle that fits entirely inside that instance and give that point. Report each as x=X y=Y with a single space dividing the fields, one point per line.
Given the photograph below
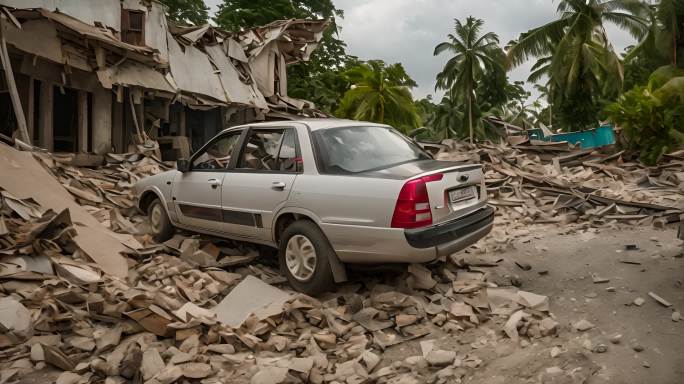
x=406 y=170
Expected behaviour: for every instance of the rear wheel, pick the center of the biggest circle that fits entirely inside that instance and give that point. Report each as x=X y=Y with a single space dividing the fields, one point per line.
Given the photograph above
x=161 y=226
x=304 y=254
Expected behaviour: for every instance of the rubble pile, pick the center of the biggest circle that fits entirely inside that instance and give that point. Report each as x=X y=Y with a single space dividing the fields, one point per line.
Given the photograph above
x=173 y=319
x=106 y=184
x=549 y=183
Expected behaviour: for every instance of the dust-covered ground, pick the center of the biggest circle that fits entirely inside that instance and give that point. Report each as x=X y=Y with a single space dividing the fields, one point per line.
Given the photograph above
x=562 y=267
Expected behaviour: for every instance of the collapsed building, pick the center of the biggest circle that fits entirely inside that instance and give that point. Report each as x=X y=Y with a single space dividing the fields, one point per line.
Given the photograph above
x=100 y=76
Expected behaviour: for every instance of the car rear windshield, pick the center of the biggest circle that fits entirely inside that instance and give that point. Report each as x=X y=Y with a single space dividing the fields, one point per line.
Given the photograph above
x=349 y=150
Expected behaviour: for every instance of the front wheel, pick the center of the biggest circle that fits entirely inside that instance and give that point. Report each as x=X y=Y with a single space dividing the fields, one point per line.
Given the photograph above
x=161 y=226
x=304 y=254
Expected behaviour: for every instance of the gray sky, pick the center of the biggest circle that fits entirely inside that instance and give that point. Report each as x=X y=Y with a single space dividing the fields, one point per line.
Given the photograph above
x=407 y=31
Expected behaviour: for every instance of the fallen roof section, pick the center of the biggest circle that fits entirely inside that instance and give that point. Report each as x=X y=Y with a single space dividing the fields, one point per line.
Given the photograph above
x=24 y=177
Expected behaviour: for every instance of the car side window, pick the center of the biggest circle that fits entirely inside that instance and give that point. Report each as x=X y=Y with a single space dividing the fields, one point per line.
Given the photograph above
x=288 y=160
x=218 y=154
x=270 y=150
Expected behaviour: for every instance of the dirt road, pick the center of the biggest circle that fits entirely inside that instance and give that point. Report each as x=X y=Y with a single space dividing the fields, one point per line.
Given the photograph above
x=562 y=267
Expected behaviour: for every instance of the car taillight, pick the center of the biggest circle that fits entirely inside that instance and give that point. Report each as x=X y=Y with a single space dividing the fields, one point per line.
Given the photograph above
x=413 y=205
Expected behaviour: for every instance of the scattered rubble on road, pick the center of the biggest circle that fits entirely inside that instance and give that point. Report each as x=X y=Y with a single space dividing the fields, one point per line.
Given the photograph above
x=548 y=183
x=206 y=309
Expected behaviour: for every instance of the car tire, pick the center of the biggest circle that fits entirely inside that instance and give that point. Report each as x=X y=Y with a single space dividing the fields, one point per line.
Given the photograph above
x=305 y=276
x=160 y=225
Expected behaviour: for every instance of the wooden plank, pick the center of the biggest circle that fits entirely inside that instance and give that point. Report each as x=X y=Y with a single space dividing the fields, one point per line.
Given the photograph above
x=12 y=85
x=30 y=110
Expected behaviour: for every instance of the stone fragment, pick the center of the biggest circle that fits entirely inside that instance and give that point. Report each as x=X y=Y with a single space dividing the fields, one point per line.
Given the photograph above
x=440 y=358
x=638 y=301
x=583 y=325
x=616 y=339
x=152 y=363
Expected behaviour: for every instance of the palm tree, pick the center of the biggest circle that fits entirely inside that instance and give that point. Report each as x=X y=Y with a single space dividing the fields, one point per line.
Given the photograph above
x=472 y=54
x=448 y=117
x=665 y=34
x=671 y=14
x=575 y=51
x=381 y=94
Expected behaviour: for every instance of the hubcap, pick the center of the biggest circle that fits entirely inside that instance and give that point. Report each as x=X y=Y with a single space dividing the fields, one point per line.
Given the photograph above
x=300 y=257
x=156 y=218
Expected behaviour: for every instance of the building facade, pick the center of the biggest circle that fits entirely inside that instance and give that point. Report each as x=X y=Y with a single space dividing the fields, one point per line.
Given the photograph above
x=101 y=76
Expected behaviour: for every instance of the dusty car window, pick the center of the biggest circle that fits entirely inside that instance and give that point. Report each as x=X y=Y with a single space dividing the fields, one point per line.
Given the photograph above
x=270 y=150
x=288 y=161
x=361 y=149
x=218 y=154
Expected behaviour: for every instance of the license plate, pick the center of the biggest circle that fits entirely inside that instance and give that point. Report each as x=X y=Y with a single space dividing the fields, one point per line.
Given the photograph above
x=462 y=194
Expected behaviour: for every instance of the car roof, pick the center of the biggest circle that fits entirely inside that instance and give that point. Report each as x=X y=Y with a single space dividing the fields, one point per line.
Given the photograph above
x=313 y=124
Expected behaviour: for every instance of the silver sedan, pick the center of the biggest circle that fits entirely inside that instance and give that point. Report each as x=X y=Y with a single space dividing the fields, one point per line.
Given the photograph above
x=325 y=193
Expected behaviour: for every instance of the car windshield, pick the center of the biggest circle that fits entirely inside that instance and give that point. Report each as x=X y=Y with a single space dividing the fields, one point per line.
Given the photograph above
x=363 y=149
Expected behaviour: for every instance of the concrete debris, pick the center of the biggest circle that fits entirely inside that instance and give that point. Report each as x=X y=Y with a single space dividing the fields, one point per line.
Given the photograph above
x=616 y=339
x=583 y=325
x=660 y=300
x=586 y=188
x=440 y=358
x=599 y=280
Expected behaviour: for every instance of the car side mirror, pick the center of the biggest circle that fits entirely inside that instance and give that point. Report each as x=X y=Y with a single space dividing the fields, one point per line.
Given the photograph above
x=183 y=165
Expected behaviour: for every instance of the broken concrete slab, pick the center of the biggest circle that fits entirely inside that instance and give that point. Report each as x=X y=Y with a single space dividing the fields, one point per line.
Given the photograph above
x=15 y=320
x=249 y=296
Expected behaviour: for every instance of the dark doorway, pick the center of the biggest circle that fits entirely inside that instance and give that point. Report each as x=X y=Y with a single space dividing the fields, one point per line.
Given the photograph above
x=202 y=125
x=8 y=123
x=65 y=120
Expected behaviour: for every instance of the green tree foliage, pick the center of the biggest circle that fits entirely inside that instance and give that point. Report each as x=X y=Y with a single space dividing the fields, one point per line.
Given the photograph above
x=187 y=11
x=426 y=109
x=473 y=53
x=448 y=119
x=380 y=93
x=652 y=116
x=307 y=80
x=576 y=55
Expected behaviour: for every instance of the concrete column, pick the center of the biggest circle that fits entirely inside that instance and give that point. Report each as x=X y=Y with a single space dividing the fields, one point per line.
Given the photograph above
x=117 y=127
x=83 y=121
x=46 y=126
x=102 y=121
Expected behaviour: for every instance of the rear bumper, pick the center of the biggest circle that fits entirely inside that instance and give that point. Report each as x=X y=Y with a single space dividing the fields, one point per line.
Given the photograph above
x=373 y=245
x=445 y=233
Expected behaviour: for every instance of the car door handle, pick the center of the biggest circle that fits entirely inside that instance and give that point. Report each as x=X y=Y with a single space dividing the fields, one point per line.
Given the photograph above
x=278 y=185
x=214 y=183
